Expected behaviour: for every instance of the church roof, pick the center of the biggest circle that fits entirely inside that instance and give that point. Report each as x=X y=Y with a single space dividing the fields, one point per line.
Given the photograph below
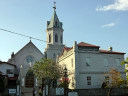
x=68 y=48
x=54 y=22
x=87 y=45
x=27 y=45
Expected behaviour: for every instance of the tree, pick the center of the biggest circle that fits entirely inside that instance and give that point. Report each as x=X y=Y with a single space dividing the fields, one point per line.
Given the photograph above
x=113 y=80
x=126 y=67
x=47 y=70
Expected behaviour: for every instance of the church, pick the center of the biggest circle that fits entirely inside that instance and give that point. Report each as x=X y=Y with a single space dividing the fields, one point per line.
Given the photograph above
x=87 y=61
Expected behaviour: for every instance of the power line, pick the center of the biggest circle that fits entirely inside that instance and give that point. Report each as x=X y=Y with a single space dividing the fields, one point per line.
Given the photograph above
x=22 y=35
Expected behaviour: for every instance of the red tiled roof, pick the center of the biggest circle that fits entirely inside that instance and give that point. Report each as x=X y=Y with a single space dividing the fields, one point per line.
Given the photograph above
x=108 y=52
x=90 y=45
x=87 y=45
x=67 y=49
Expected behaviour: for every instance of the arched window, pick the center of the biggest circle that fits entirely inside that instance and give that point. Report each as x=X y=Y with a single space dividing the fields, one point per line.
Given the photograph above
x=29 y=59
x=49 y=38
x=56 y=38
x=61 y=39
x=56 y=23
x=29 y=79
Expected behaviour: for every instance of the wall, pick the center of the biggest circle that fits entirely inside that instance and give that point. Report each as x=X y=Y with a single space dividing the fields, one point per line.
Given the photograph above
x=66 y=59
x=97 y=68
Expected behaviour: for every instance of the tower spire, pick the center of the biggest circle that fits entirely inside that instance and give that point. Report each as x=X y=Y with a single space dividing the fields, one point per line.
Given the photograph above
x=54 y=6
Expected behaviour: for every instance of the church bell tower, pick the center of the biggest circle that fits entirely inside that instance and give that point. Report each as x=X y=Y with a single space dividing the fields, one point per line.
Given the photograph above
x=54 y=36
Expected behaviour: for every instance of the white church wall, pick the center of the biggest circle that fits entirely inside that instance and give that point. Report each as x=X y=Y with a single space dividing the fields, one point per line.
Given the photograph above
x=30 y=50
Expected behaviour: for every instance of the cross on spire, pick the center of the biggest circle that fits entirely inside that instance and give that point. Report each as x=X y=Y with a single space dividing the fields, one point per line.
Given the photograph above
x=54 y=6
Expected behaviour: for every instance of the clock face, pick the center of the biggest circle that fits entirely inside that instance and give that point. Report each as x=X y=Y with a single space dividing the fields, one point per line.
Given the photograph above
x=29 y=59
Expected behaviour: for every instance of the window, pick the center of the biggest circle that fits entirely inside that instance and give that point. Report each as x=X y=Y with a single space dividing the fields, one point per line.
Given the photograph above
x=118 y=62
x=105 y=62
x=88 y=80
x=56 y=38
x=29 y=59
x=56 y=24
x=72 y=62
x=107 y=79
x=87 y=61
x=29 y=79
x=49 y=38
x=61 y=39
x=9 y=71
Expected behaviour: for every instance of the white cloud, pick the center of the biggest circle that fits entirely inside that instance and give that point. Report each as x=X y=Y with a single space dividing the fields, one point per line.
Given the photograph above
x=119 y=5
x=108 y=25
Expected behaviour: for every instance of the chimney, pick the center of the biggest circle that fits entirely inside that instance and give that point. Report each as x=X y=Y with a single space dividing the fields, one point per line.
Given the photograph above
x=12 y=55
x=110 y=49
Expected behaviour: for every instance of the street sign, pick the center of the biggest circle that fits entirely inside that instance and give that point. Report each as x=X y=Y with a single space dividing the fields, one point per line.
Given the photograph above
x=12 y=91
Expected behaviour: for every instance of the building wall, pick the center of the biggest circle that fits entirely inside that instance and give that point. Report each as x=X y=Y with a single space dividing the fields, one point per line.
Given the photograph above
x=96 y=69
x=67 y=59
x=53 y=50
x=54 y=31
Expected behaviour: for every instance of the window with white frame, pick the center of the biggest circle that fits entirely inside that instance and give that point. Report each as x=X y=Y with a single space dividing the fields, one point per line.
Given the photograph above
x=72 y=62
x=105 y=62
x=87 y=59
x=88 y=80
x=118 y=62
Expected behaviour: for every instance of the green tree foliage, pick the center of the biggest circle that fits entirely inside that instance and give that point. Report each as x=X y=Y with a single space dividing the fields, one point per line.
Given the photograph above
x=47 y=69
x=125 y=62
x=126 y=66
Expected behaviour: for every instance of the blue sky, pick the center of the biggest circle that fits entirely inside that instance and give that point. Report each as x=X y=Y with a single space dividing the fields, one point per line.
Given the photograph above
x=99 y=22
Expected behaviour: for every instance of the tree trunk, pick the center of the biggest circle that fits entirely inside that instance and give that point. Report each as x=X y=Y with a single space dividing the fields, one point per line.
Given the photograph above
x=109 y=91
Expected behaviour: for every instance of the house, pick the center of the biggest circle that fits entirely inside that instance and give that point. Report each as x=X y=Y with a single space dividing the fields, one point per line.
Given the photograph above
x=8 y=76
x=89 y=63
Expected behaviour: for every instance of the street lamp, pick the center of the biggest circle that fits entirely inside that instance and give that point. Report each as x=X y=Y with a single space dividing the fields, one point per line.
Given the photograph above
x=65 y=76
